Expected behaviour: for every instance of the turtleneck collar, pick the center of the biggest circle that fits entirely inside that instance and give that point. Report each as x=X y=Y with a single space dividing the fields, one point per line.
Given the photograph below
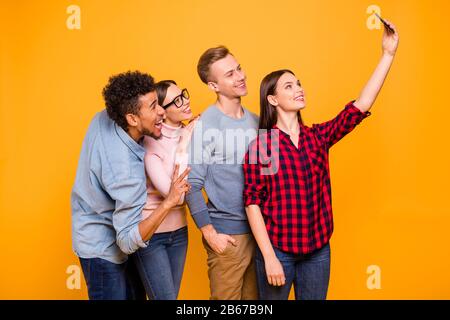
x=171 y=132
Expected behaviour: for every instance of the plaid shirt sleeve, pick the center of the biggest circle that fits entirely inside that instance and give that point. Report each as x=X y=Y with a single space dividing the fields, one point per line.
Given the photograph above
x=255 y=191
x=334 y=130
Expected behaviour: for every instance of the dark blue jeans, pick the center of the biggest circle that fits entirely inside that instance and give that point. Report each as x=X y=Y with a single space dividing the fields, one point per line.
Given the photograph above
x=161 y=264
x=309 y=273
x=109 y=281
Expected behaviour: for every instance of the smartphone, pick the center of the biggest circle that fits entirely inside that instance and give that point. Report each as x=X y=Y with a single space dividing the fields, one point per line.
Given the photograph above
x=386 y=25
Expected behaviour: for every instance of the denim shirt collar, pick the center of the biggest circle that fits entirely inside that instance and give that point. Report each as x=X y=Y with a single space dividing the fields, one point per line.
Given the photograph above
x=135 y=147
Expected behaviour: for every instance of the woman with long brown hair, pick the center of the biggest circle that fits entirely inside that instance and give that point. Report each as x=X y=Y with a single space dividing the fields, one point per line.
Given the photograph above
x=287 y=182
x=161 y=262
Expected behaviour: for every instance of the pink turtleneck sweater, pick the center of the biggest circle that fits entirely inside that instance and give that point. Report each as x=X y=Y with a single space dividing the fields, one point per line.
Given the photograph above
x=160 y=158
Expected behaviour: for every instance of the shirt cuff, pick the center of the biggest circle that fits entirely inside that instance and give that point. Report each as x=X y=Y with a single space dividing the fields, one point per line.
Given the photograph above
x=136 y=237
x=202 y=218
x=249 y=200
x=355 y=110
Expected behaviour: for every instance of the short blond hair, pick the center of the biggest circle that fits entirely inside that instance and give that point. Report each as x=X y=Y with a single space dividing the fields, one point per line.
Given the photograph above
x=208 y=58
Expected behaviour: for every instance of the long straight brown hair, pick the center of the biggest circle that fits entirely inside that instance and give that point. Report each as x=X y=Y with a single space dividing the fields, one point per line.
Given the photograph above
x=268 y=113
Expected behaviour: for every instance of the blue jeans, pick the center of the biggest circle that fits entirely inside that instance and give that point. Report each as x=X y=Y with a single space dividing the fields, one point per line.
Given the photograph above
x=161 y=264
x=109 y=281
x=309 y=273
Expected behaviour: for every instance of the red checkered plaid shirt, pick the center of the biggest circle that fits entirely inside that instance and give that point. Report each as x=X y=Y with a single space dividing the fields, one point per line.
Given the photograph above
x=292 y=186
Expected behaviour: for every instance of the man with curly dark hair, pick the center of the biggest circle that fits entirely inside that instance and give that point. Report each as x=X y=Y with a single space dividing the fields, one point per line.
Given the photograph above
x=110 y=192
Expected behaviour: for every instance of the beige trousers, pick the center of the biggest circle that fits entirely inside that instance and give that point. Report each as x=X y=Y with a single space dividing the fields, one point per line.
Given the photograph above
x=232 y=274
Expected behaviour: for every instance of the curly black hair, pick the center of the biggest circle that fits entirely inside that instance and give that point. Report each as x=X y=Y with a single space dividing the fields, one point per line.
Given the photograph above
x=122 y=94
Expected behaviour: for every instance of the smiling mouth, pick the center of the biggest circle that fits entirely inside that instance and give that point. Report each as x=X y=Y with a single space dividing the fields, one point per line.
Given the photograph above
x=187 y=110
x=158 y=124
x=241 y=86
x=300 y=98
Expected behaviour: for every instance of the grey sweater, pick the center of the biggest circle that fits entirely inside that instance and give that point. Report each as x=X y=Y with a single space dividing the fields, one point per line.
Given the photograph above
x=216 y=155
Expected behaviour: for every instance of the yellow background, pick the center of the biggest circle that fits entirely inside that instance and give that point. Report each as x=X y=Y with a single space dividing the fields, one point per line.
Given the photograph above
x=389 y=177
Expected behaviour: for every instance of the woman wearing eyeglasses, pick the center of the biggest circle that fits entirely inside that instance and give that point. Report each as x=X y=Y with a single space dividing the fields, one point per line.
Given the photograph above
x=161 y=263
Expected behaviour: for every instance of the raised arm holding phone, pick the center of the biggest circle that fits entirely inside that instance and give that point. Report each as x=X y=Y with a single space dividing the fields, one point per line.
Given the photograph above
x=289 y=208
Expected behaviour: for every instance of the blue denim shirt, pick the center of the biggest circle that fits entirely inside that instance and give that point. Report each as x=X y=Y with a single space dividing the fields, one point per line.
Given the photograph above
x=109 y=193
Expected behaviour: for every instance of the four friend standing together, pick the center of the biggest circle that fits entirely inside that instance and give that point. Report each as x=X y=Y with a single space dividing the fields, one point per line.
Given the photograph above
x=268 y=219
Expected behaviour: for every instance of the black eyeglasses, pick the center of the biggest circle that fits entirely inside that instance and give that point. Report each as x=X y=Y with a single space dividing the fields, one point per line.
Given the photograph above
x=178 y=101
